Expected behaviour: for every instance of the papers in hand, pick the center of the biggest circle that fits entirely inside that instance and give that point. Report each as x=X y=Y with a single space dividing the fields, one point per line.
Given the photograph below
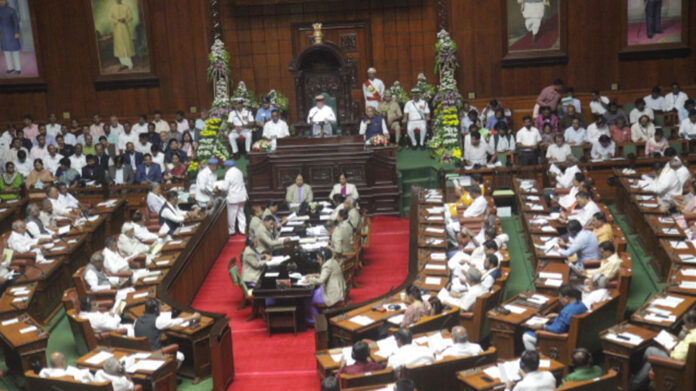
x=277 y=260
x=98 y=358
x=666 y=339
x=509 y=370
x=362 y=320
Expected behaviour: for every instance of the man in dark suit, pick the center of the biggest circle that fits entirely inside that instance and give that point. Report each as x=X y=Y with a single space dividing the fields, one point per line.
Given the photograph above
x=131 y=157
x=148 y=172
x=92 y=171
x=120 y=173
x=102 y=157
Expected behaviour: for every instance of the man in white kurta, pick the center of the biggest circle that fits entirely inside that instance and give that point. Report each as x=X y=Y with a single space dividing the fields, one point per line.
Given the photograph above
x=20 y=240
x=128 y=244
x=240 y=121
x=205 y=182
x=416 y=116
x=113 y=372
x=274 y=129
x=321 y=118
x=675 y=100
x=665 y=185
x=59 y=369
x=236 y=198
x=373 y=89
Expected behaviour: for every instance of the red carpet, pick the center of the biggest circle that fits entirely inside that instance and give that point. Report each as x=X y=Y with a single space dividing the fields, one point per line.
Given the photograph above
x=285 y=361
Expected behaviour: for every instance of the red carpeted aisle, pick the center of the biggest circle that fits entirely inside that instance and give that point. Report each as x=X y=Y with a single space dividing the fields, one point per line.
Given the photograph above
x=285 y=361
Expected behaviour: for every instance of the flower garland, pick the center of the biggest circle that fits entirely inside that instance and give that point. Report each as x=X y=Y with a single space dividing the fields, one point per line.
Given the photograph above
x=379 y=140
x=246 y=95
x=427 y=90
x=398 y=93
x=278 y=100
x=262 y=145
x=444 y=146
x=212 y=142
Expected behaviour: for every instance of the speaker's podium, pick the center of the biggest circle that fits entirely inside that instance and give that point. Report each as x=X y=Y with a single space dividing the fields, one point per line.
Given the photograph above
x=321 y=161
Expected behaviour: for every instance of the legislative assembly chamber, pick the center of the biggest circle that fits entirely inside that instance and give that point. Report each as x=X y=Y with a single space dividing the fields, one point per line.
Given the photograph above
x=385 y=195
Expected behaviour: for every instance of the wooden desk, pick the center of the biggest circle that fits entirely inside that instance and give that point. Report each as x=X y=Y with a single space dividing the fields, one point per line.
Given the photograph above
x=477 y=380
x=506 y=329
x=550 y=270
x=16 y=300
x=114 y=215
x=639 y=317
x=193 y=343
x=24 y=342
x=682 y=279
x=162 y=378
x=620 y=355
x=344 y=330
x=51 y=280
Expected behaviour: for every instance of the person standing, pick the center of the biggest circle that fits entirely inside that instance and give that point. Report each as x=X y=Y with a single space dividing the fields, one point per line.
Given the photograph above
x=9 y=37
x=528 y=139
x=236 y=197
x=416 y=117
x=205 y=182
x=550 y=96
x=120 y=15
x=373 y=89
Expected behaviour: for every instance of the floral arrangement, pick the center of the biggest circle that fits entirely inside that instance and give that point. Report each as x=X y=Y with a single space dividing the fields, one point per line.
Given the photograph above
x=245 y=94
x=398 y=93
x=213 y=141
x=219 y=75
x=379 y=140
x=444 y=146
x=278 y=100
x=262 y=145
x=192 y=169
x=427 y=90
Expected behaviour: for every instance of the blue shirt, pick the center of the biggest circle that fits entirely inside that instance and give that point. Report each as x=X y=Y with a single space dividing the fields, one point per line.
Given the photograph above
x=584 y=245
x=263 y=115
x=561 y=324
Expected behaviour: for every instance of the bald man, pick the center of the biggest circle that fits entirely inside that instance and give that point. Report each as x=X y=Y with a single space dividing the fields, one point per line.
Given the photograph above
x=462 y=346
x=59 y=369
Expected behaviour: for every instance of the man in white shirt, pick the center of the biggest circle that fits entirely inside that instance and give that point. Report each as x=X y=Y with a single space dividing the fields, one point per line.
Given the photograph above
x=128 y=244
x=128 y=136
x=599 y=103
x=602 y=149
x=687 y=128
x=462 y=346
x=52 y=127
x=52 y=161
x=155 y=200
x=23 y=164
x=39 y=150
x=321 y=117
x=416 y=116
x=115 y=127
x=114 y=263
x=532 y=378
x=59 y=369
x=680 y=170
x=78 y=160
x=373 y=89
x=35 y=227
x=160 y=124
x=478 y=206
x=140 y=230
x=143 y=145
x=101 y=321
x=114 y=373
x=666 y=183
x=236 y=198
x=595 y=291
x=502 y=141
x=528 y=139
x=585 y=211
x=140 y=127
x=60 y=206
x=655 y=101
x=675 y=99
x=558 y=152
x=240 y=121
x=205 y=182
x=274 y=129
x=640 y=110
x=476 y=152
x=408 y=353
x=96 y=129
x=465 y=301
x=596 y=129
x=20 y=240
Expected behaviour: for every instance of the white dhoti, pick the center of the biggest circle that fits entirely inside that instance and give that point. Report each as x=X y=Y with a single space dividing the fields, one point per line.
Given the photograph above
x=533 y=13
x=412 y=126
x=233 y=136
x=12 y=61
x=236 y=217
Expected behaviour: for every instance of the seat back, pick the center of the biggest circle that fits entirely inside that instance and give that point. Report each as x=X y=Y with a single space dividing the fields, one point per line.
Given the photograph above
x=70 y=299
x=367 y=379
x=79 y=281
x=121 y=341
x=477 y=324
x=442 y=374
x=630 y=148
x=85 y=340
x=625 y=276
x=444 y=320
x=609 y=381
x=34 y=382
x=673 y=374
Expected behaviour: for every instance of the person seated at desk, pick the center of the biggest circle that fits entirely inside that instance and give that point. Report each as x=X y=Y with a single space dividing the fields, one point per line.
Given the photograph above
x=640 y=109
x=683 y=173
x=363 y=363
x=491 y=271
x=35 y=227
x=253 y=262
x=10 y=183
x=155 y=200
x=175 y=170
x=171 y=217
x=21 y=241
x=477 y=151
x=620 y=133
x=416 y=306
x=462 y=346
x=601 y=228
x=299 y=192
x=686 y=336
x=603 y=149
x=575 y=134
x=501 y=142
x=465 y=301
x=463 y=193
x=353 y=214
x=559 y=151
x=582 y=243
x=583 y=367
x=688 y=207
x=656 y=145
x=595 y=291
x=459 y=262
x=373 y=125
x=92 y=172
x=596 y=129
x=274 y=129
x=142 y=233
x=114 y=373
x=613 y=113
x=117 y=264
x=664 y=183
x=642 y=130
x=120 y=173
x=39 y=176
x=255 y=221
x=153 y=322
x=321 y=117
x=102 y=321
x=46 y=215
x=571 y=300
x=271 y=210
x=408 y=353
x=148 y=171
x=687 y=127
x=584 y=211
x=479 y=205
x=532 y=378
x=265 y=237
x=342 y=234
x=331 y=285
x=344 y=188
x=128 y=244
x=66 y=174
x=97 y=280
x=58 y=368
x=23 y=164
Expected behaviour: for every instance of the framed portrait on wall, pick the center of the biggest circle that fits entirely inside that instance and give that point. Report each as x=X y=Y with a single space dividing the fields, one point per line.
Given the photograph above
x=655 y=28
x=535 y=32
x=19 y=66
x=121 y=31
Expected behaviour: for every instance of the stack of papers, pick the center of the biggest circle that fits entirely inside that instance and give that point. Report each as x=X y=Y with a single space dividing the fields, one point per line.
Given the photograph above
x=666 y=339
x=515 y=309
x=387 y=346
x=396 y=319
x=361 y=320
x=553 y=282
x=435 y=230
x=433 y=280
x=98 y=358
x=689 y=272
x=687 y=258
x=537 y=320
x=64 y=230
x=668 y=301
x=438 y=256
x=688 y=285
x=670 y=231
x=435 y=267
x=625 y=337
x=555 y=276
x=678 y=244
